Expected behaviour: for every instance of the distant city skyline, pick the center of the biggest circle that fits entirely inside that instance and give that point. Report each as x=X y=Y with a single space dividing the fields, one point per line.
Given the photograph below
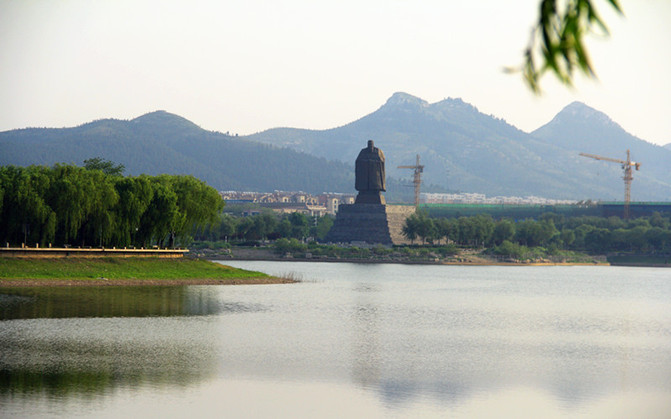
x=244 y=67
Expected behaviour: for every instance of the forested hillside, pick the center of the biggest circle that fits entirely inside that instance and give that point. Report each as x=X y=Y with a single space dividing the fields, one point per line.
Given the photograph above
x=161 y=142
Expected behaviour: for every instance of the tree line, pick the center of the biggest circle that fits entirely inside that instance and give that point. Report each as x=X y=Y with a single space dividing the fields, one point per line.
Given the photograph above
x=266 y=226
x=587 y=233
x=95 y=205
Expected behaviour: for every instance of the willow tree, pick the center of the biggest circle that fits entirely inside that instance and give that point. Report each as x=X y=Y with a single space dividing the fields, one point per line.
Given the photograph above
x=82 y=200
x=26 y=216
x=106 y=166
x=135 y=196
x=557 y=41
x=66 y=204
x=198 y=205
x=161 y=217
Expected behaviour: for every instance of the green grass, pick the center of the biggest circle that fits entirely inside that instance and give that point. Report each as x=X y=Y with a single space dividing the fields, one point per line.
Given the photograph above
x=119 y=268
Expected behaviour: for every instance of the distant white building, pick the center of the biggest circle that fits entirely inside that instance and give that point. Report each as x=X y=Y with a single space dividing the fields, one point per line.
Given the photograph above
x=476 y=198
x=284 y=202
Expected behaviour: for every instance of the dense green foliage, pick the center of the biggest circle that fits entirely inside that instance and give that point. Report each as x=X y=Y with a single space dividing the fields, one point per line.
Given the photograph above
x=106 y=166
x=551 y=231
x=70 y=205
x=266 y=226
x=512 y=211
x=118 y=268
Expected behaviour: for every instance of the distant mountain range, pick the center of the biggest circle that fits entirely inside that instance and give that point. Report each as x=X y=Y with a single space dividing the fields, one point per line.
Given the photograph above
x=462 y=150
x=160 y=142
x=466 y=150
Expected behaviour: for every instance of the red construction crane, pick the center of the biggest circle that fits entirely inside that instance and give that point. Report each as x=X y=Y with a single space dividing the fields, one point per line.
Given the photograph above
x=628 y=177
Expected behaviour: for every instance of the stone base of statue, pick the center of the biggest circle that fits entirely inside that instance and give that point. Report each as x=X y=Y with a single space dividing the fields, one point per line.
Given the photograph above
x=370 y=197
x=370 y=223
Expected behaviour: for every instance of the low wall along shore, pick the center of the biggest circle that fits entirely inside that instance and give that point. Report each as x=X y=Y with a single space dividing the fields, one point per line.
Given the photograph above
x=69 y=252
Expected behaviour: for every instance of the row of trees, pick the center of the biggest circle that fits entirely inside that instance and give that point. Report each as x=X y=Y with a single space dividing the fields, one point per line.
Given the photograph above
x=505 y=236
x=595 y=234
x=266 y=226
x=96 y=206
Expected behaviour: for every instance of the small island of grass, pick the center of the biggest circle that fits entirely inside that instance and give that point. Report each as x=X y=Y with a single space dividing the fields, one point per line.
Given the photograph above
x=124 y=271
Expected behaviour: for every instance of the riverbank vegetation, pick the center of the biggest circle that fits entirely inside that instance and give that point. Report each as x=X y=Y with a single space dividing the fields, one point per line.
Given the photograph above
x=266 y=225
x=96 y=206
x=293 y=247
x=551 y=237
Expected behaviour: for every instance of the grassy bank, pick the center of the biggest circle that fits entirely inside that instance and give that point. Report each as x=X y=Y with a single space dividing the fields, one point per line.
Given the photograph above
x=125 y=270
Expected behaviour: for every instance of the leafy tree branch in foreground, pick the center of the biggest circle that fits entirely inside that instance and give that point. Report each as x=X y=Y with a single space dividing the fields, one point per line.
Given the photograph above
x=558 y=41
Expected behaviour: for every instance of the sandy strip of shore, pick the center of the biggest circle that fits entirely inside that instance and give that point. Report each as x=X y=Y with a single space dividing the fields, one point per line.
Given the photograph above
x=102 y=282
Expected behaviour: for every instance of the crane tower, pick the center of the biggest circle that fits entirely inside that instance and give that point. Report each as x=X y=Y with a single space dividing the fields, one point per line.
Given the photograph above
x=628 y=176
x=417 y=178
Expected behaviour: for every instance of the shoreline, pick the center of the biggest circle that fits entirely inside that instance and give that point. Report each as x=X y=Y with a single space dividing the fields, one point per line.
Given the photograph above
x=445 y=263
x=465 y=258
x=413 y=262
x=104 y=282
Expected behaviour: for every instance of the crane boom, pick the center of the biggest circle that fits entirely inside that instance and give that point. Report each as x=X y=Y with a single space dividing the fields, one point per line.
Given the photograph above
x=594 y=156
x=628 y=176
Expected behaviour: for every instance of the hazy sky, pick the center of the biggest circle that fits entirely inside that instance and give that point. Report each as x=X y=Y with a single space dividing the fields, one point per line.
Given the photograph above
x=246 y=66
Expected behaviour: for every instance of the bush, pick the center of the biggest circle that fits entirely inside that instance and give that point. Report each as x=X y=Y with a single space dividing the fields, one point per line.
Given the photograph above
x=448 y=250
x=381 y=250
x=283 y=246
x=510 y=250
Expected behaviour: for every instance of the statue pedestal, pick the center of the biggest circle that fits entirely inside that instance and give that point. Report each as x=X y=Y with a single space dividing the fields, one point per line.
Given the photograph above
x=370 y=197
x=370 y=223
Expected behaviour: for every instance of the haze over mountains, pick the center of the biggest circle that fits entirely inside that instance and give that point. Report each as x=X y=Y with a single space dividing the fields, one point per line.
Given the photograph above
x=462 y=149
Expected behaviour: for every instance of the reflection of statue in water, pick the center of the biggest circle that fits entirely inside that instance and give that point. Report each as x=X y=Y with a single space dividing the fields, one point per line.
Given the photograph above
x=369 y=174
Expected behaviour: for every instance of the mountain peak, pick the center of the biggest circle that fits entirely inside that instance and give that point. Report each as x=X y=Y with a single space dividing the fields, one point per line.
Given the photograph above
x=579 y=111
x=165 y=119
x=579 y=114
x=454 y=103
x=405 y=99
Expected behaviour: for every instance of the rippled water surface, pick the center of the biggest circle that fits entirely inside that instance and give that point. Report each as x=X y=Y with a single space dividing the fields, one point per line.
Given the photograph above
x=351 y=340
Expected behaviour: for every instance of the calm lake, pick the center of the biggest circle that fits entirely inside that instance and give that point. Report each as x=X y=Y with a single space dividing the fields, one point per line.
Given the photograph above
x=351 y=340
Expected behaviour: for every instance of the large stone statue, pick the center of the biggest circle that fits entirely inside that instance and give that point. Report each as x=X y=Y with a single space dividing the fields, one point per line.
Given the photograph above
x=369 y=175
x=369 y=219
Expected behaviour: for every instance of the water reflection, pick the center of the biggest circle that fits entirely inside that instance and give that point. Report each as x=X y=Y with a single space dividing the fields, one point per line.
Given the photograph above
x=62 y=357
x=113 y=301
x=365 y=325
x=61 y=341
